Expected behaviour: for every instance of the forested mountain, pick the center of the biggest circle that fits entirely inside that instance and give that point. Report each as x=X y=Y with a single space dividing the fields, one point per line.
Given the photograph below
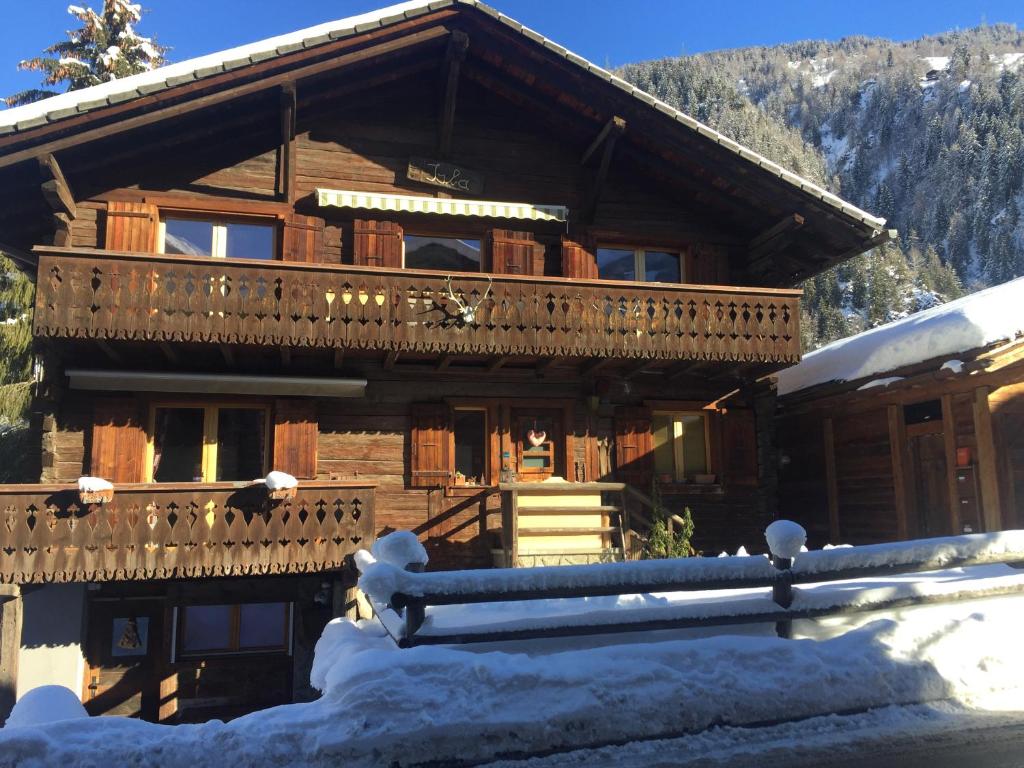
x=927 y=133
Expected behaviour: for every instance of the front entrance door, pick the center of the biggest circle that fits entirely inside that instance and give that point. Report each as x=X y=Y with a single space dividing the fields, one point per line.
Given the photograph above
x=123 y=652
x=929 y=482
x=538 y=438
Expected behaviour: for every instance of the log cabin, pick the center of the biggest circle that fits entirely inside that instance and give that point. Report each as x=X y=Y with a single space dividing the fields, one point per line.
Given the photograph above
x=910 y=430
x=449 y=275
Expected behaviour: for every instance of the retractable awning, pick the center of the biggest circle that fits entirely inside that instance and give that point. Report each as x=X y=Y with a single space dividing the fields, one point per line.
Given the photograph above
x=214 y=383
x=447 y=207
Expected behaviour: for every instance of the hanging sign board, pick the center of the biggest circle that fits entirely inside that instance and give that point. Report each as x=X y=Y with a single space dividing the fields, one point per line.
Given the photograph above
x=446 y=175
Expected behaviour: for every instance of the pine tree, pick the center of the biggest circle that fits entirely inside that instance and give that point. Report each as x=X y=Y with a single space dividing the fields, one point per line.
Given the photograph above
x=105 y=48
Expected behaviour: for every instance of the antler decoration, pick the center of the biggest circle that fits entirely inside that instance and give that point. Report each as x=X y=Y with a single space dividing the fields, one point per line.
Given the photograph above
x=467 y=311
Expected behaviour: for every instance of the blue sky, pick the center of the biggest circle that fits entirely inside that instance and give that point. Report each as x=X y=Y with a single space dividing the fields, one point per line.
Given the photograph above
x=608 y=32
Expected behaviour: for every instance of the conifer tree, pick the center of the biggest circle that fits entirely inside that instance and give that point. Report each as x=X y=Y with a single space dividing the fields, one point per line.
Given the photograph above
x=106 y=47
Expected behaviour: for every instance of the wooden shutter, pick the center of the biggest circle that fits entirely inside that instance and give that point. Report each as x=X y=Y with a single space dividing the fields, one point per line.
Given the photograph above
x=739 y=446
x=131 y=226
x=302 y=238
x=295 y=437
x=118 y=441
x=579 y=258
x=515 y=253
x=634 y=447
x=377 y=243
x=430 y=463
x=708 y=264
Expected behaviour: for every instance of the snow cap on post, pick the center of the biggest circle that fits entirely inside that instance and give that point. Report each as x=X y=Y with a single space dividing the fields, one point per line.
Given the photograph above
x=399 y=549
x=785 y=538
x=46 y=704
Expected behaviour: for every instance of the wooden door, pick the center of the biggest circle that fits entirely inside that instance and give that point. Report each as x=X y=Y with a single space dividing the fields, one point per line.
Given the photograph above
x=538 y=437
x=124 y=651
x=929 y=506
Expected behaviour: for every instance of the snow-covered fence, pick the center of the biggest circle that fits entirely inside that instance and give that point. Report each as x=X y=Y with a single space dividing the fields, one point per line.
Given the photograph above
x=401 y=597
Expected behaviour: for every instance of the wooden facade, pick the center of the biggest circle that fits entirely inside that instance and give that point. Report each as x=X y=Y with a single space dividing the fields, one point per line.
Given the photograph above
x=612 y=324
x=933 y=453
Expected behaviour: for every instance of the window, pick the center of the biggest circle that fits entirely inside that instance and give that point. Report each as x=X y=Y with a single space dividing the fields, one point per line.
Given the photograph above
x=192 y=443
x=470 y=437
x=639 y=264
x=680 y=445
x=449 y=254
x=246 y=628
x=212 y=237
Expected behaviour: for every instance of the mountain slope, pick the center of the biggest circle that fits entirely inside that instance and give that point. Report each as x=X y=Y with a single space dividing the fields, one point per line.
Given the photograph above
x=928 y=133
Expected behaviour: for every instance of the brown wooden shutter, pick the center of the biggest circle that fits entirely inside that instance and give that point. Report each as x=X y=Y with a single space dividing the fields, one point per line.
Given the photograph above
x=579 y=258
x=118 y=441
x=295 y=437
x=739 y=446
x=515 y=253
x=634 y=447
x=302 y=238
x=377 y=243
x=131 y=226
x=430 y=463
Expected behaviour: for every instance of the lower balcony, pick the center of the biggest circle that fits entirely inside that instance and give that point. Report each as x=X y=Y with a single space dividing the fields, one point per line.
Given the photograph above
x=164 y=531
x=147 y=297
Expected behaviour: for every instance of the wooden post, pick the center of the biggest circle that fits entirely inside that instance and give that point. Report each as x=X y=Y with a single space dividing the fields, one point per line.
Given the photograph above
x=782 y=594
x=831 y=481
x=949 y=440
x=10 y=643
x=415 y=610
x=897 y=447
x=286 y=166
x=991 y=513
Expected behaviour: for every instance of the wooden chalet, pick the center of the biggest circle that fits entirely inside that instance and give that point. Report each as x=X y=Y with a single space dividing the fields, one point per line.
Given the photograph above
x=911 y=430
x=423 y=260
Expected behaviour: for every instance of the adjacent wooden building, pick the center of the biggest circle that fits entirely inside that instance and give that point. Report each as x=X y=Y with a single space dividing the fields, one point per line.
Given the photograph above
x=911 y=430
x=422 y=260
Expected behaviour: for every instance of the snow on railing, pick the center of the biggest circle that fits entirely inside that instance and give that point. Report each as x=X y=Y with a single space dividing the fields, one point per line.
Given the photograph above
x=394 y=591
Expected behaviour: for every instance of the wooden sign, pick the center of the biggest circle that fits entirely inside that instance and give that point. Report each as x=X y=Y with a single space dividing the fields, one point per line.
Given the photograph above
x=447 y=175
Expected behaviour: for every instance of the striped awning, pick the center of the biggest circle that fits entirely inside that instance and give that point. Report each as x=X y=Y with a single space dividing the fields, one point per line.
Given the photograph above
x=447 y=207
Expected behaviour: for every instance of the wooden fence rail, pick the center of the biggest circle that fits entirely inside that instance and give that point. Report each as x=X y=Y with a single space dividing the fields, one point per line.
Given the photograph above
x=417 y=591
x=108 y=295
x=159 y=531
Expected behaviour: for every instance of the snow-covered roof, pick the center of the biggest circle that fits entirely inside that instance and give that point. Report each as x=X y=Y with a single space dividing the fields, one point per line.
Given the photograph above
x=968 y=323
x=73 y=103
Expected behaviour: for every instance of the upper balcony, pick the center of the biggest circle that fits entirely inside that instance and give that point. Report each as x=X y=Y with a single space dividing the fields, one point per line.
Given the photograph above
x=95 y=294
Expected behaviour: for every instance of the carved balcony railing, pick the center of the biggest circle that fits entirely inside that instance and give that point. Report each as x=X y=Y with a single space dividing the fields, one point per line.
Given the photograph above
x=106 y=295
x=162 y=531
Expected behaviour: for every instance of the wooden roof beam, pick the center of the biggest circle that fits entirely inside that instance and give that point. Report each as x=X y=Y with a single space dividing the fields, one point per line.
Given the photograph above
x=55 y=187
x=775 y=237
x=286 y=152
x=609 y=135
x=496 y=363
x=454 y=55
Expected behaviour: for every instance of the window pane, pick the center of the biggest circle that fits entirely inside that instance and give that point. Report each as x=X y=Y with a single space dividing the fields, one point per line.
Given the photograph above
x=695 y=455
x=250 y=241
x=470 y=444
x=207 y=628
x=240 y=443
x=663 y=433
x=261 y=625
x=444 y=253
x=178 y=445
x=190 y=238
x=662 y=267
x=616 y=264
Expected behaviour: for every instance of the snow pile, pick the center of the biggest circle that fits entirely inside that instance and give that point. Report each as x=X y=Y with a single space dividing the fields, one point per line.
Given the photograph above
x=956 y=366
x=399 y=549
x=94 y=485
x=968 y=323
x=280 y=481
x=383 y=706
x=785 y=538
x=884 y=382
x=46 y=704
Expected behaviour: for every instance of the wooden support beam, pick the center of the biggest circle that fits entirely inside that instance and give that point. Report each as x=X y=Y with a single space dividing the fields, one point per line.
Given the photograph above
x=637 y=368
x=831 y=481
x=445 y=362
x=339 y=357
x=18 y=255
x=112 y=354
x=228 y=353
x=389 y=360
x=988 y=466
x=458 y=44
x=171 y=356
x=286 y=153
x=897 y=452
x=616 y=124
x=55 y=187
x=949 y=447
x=286 y=355
x=496 y=363
x=611 y=132
x=61 y=224
x=759 y=244
x=10 y=643
x=594 y=365
x=542 y=368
